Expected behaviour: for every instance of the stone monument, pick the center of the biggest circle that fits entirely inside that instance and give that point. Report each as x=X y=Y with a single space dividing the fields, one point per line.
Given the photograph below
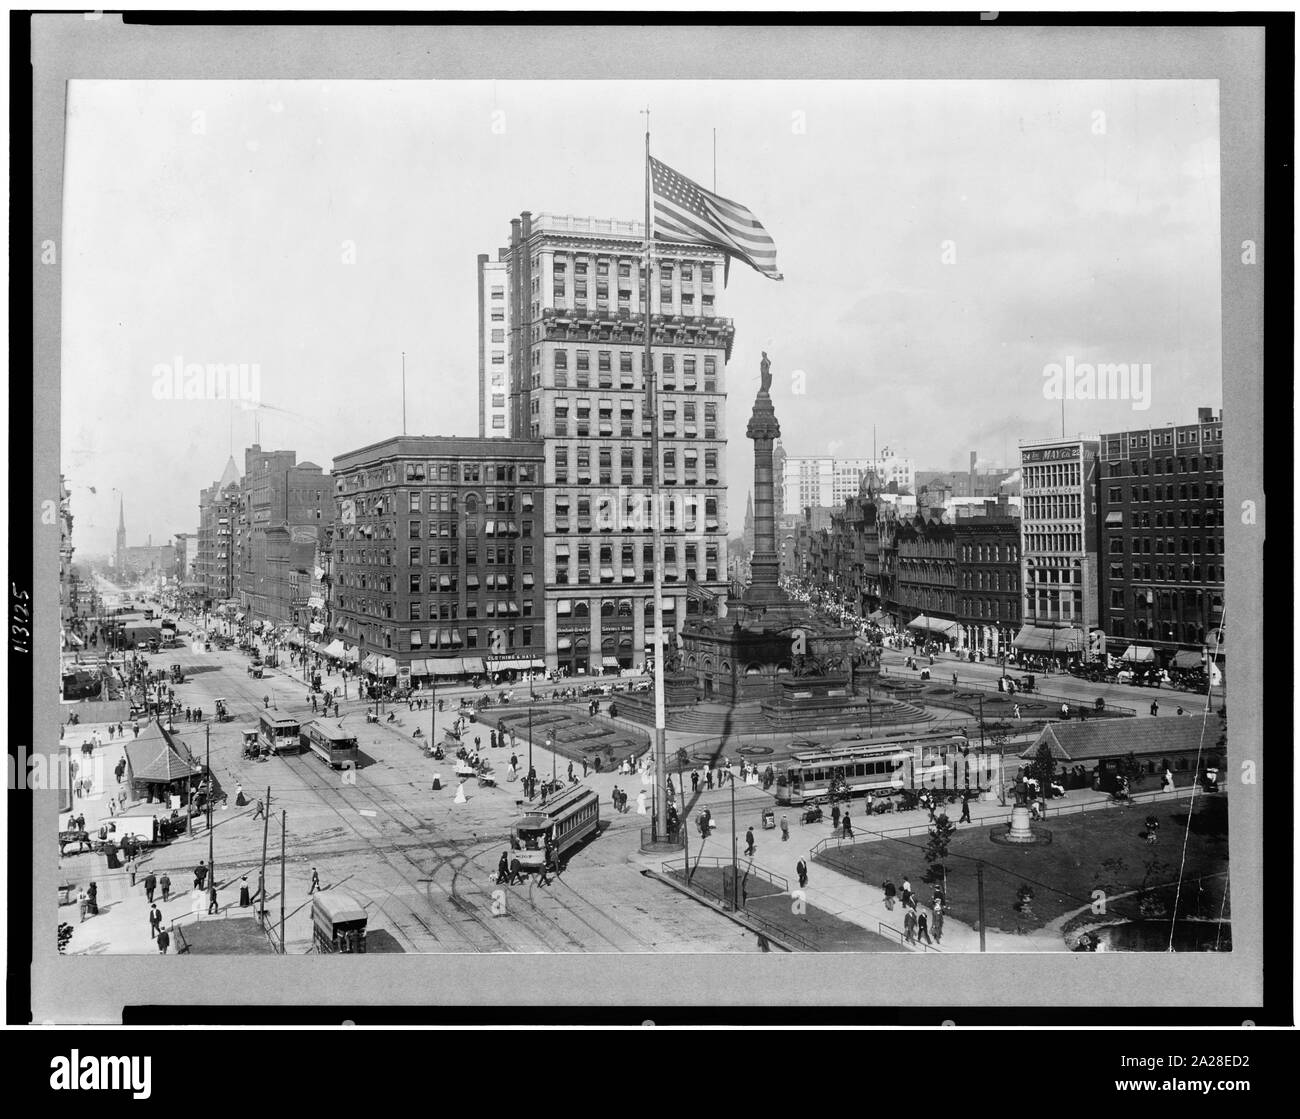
x=769 y=649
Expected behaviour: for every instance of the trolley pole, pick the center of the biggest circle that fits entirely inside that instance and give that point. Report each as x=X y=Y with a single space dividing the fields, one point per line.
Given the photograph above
x=261 y=874
x=284 y=827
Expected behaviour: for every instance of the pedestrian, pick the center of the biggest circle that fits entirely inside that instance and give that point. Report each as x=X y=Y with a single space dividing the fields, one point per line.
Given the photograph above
x=909 y=927
x=164 y=941
x=584 y=767
x=954 y=679
x=244 y=901
x=131 y=868
x=165 y=884
x=708 y=778
x=848 y=825
x=1015 y=710
x=835 y=817
x=200 y=875
x=785 y=829
x=907 y=894
x=150 y=884
x=891 y=892
x=83 y=904
x=315 y=881
x=695 y=780
x=749 y=842
x=922 y=928
x=965 y=808
x=937 y=926
x=260 y=814
x=801 y=869
x=503 y=868
x=213 y=907
x=155 y=922
x=1155 y=708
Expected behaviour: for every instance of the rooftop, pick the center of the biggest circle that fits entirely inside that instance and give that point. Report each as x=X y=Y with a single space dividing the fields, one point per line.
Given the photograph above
x=1108 y=738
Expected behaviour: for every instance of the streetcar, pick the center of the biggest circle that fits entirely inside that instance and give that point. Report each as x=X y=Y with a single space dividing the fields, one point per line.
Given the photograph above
x=859 y=766
x=564 y=823
x=334 y=746
x=279 y=734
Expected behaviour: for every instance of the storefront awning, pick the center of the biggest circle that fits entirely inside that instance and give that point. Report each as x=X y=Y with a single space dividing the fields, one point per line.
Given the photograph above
x=609 y=662
x=446 y=666
x=1039 y=639
x=334 y=648
x=1139 y=654
x=418 y=667
x=351 y=656
x=1188 y=658
x=474 y=664
x=387 y=666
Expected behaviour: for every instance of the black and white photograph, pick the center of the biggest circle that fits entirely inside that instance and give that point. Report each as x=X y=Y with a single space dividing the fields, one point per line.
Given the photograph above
x=770 y=506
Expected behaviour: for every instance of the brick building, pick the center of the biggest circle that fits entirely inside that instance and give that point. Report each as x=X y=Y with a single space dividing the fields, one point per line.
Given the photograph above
x=1162 y=530
x=436 y=559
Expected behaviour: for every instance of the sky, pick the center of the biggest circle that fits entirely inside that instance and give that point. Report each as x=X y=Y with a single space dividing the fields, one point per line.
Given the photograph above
x=942 y=243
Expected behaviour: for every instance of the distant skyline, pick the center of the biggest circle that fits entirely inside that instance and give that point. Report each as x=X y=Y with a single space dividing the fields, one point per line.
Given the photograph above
x=942 y=243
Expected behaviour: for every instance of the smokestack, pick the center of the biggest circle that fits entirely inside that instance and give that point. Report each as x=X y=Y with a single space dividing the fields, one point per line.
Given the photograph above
x=972 y=474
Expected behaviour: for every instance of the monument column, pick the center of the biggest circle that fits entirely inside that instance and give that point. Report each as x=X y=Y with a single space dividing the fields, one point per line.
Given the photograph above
x=764 y=430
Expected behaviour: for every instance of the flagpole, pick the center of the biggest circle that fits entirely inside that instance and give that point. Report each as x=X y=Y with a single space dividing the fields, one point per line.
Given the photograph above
x=660 y=805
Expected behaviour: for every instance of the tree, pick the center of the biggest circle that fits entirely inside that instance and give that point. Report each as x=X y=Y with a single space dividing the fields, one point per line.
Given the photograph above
x=936 y=850
x=1043 y=768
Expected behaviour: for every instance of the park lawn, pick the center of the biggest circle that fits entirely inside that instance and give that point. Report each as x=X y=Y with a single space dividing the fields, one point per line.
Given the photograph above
x=1103 y=849
x=815 y=926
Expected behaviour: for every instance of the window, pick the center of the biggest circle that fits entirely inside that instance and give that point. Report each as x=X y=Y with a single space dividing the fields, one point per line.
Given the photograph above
x=562 y=465
x=710 y=421
x=710 y=363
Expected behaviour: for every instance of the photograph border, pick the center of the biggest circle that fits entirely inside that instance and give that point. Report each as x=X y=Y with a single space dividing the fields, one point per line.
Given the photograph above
x=1227 y=987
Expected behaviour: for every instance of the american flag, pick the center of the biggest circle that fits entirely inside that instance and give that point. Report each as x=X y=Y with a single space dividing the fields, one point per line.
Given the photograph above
x=685 y=211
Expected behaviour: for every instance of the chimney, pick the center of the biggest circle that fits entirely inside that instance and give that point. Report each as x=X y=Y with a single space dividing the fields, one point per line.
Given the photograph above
x=1205 y=415
x=971 y=492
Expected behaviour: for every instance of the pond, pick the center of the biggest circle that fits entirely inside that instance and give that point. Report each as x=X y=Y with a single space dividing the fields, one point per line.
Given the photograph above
x=1153 y=936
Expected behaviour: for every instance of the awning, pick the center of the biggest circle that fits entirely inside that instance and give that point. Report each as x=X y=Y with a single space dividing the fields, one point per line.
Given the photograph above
x=876 y=616
x=1140 y=654
x=317 y=627
x=609 y=662
x=418 y=667
x=474 y=664
x=446 y=666
x=351 y=656
x=1188 y=658
x=1038 y=639
x=334 y=648
x=369 y=663
x=387 y=666
x=934 y=625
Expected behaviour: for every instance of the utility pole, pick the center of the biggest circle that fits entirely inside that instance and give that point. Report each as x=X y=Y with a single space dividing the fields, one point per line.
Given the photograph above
x=735 y=873
x=979 y=878
x=212 y=862
x=261 y=875
x=284 y=827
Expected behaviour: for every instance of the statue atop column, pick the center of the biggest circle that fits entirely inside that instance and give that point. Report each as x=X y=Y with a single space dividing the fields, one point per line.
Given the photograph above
x=765 y=367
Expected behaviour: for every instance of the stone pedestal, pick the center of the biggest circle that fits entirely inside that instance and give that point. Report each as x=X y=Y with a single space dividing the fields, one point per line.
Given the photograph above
x=1020 y=831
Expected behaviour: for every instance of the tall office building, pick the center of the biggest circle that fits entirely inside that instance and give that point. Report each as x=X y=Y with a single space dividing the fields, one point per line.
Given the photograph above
x=1162 y=538
x=830 y=481
x=1058 y=546
x=575 y=327
x=493 y=332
